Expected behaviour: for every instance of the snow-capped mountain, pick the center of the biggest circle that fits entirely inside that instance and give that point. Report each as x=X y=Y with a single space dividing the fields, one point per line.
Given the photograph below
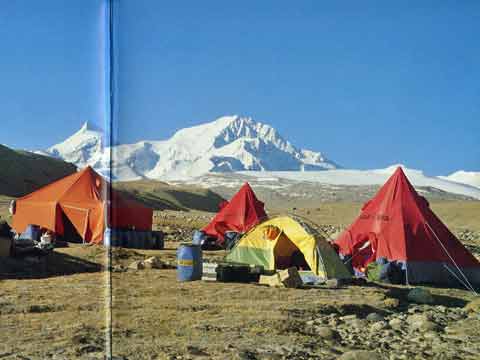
x=85 y=147
x=464 y=177
x=230 y=143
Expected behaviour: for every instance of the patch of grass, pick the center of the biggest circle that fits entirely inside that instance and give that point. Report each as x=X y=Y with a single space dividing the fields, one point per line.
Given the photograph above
x=162 y=196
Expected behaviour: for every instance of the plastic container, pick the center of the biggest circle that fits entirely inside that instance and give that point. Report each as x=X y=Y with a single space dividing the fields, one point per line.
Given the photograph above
x=198 y=237
x=46 y=239
x=189 y=262
x=31 y=233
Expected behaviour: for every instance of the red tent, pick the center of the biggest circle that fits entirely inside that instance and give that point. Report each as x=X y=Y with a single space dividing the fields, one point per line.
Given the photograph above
x=240 y=214
x=80 y=199
x=404 y=228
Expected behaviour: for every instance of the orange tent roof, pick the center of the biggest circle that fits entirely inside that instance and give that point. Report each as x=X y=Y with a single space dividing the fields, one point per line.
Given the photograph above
x=81 y=198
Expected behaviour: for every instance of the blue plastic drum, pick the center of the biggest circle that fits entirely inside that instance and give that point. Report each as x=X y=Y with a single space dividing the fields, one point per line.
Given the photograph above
x=189 y=262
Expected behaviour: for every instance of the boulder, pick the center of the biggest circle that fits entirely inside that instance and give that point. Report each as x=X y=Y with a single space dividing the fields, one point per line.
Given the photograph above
x=325 y=332
x=374 y=317
x=420 y=296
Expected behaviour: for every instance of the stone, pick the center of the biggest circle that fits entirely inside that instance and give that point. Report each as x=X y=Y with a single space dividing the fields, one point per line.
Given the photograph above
x=424 y=326
x=325 y=332
x=395 y=323
x=391 y=303
x=348 y=318
x=473 y=306
x=358 y=323
x=153 y=263
x=334 y=283
x=411 y=319
x=136 y=265
x=420 y=296
x=379 y=325
x=374 y=317
x=118 y=268
x=360 y=355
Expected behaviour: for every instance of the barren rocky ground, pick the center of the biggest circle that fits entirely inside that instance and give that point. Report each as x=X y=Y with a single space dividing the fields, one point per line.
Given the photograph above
x=57 y=310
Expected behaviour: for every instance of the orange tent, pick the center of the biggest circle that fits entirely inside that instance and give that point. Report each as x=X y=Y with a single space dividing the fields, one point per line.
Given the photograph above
x=80 y=197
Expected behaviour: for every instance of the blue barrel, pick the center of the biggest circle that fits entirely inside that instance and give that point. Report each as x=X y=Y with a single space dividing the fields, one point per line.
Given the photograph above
x=189 y=262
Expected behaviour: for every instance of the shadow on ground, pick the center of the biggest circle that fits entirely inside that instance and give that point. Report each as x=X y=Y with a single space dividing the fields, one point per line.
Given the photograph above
x=39 y=267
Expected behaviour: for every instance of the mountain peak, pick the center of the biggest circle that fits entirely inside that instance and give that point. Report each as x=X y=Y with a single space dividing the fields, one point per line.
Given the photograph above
x=227 y=144
x=89 y=126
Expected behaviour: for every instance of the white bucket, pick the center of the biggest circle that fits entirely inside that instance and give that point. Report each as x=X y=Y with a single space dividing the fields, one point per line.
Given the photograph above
x=46 y=239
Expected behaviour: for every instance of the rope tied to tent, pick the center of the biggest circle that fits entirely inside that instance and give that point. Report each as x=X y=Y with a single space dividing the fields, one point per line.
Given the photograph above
x=469 y=287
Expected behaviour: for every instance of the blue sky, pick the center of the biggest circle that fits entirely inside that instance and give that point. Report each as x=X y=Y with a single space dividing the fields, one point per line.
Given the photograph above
x=366 y=83
x=51 y=69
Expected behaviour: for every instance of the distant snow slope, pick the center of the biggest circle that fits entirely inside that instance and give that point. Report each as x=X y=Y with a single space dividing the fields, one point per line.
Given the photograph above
x=230 y=143
x=464 y=177
x=370 y=177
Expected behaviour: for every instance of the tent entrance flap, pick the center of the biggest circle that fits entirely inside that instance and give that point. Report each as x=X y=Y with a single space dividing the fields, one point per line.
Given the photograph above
x=75 y=220
x=287 y=254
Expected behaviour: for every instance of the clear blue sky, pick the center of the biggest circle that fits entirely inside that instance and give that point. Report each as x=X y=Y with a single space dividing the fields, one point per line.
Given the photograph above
x=51 y=69
x=367 y=83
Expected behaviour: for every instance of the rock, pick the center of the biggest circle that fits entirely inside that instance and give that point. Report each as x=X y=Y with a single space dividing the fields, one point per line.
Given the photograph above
x=335 y=283
x=421 y=323
x=473 y=306
x=360 y=355
x=420 y=296
x=374 y=317
x=379 y=325
x=325 y=332
x=415 y=318
x=348 y=318
x=118 y=268
x=391 y=303
x=395 y=323
x=137 y=265
x=358 y=323
x=153 y=263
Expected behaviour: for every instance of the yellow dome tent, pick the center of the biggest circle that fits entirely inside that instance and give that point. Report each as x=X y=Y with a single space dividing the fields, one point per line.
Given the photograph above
x=273 y=244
